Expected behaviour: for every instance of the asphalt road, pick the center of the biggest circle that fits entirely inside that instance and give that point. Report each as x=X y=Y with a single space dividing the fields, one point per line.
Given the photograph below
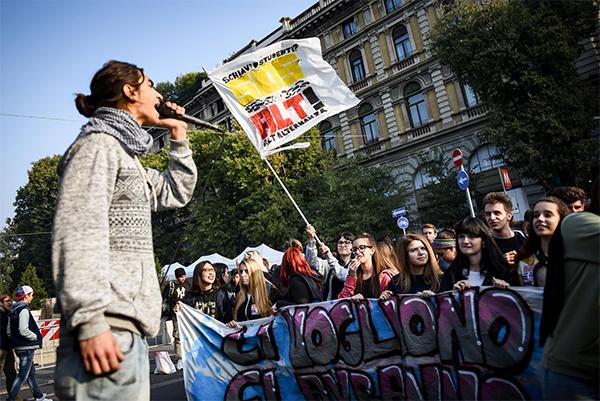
x=162 y=387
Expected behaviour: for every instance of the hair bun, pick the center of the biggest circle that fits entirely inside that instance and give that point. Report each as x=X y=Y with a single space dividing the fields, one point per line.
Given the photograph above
x=85 y=105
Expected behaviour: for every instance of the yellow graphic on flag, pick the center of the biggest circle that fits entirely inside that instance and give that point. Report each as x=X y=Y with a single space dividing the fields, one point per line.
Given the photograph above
x=266 y=79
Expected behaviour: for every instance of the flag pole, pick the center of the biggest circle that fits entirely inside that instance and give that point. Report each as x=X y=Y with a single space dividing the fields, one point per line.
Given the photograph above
x=289 y=196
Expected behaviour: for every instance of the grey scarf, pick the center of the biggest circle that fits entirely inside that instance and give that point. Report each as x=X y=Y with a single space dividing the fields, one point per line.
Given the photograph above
x=121 y=125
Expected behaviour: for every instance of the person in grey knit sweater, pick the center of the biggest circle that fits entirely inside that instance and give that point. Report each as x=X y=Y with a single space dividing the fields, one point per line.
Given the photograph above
x=102 y=253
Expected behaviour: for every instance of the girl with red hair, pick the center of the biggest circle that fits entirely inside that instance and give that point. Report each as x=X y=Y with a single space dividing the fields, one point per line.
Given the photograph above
x=302 y=285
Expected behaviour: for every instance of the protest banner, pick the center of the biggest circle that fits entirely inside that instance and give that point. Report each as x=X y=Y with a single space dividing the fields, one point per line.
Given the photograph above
x=479 y=345
x=277 y=93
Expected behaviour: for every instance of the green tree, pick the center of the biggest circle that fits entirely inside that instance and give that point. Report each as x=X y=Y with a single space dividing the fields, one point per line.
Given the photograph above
x=30 y=278
x=447 y=203
x=519 y=57
x=244 y=205
x=184 y=87
x=34 y=213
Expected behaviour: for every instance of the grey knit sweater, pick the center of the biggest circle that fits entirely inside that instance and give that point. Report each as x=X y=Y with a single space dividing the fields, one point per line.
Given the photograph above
x=102 y=254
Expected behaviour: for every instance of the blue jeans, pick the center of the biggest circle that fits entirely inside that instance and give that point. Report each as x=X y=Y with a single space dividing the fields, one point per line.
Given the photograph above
x=26 y=373
x=73 y=382
x=557 y=386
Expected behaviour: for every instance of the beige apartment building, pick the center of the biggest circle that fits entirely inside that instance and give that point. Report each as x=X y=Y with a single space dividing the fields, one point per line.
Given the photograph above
x=412 y=107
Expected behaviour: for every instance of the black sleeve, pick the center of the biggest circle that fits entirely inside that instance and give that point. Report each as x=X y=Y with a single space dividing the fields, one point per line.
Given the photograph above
x=225 y=309
x=189 y=300
x=447 y=283
x=299 y=293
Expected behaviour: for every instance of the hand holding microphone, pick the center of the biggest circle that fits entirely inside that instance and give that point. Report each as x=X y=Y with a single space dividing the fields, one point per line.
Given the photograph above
x=173 y=122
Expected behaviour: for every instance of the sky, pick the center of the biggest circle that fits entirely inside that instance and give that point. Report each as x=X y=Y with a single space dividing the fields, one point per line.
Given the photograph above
x=50 y=51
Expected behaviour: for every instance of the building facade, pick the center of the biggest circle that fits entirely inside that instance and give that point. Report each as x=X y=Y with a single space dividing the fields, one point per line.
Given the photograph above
x=413 y=109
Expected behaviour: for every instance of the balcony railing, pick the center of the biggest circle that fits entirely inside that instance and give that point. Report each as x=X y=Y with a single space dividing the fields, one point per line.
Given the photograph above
x=476 y=111
x=360 y=85
x=309 y=13
x=373 y=147
x=420 y=130
x=404 y=63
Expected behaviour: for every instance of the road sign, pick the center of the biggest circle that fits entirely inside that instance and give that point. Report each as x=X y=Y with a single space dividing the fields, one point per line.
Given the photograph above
x=463 y=180
x=506 y=179
x=457 y=157
x=399 y=212
x=402 y=222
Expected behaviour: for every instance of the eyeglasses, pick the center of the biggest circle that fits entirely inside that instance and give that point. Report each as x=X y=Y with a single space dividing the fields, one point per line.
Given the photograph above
x=344 y=243
x=7 y=301
x=208 y=270
x=361 y=248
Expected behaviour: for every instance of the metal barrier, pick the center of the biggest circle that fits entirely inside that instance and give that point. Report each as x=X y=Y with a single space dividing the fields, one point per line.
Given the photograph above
x=50 y=329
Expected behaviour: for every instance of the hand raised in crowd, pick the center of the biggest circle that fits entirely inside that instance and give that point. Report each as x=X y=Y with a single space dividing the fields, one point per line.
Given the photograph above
x=426 y=294
x=510 y=257
x=101 y=354
x=324 y=249
x=311 y=232
x=385 y=295
x=461 y=285
x=500 y=283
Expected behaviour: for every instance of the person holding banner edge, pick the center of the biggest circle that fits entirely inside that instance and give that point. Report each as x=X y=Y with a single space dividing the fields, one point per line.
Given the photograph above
x=419 y=273
x=478 y=261
x=102 y=253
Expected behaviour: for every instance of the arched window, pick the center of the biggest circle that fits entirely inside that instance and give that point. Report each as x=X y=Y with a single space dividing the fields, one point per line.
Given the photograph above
x=483 y=159
x=368 y=123
x=391 y=5
x=356 y=65
x=422 y=179
x=401 y=42
x=328 y=137
x=415 y=104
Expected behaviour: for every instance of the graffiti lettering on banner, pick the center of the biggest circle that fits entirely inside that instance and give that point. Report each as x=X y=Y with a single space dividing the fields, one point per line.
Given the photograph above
x=479 y=345
x=277 y=93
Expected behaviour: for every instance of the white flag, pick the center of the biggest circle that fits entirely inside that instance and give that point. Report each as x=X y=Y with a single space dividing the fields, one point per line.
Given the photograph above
x=279 y=92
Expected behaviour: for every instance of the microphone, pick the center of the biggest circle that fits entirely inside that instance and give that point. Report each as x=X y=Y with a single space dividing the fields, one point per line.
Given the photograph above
x=166 y=112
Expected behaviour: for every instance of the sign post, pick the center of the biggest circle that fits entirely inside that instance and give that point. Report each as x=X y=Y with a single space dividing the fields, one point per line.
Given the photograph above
x=403 y=224
x=463 y=177
x=504 y=179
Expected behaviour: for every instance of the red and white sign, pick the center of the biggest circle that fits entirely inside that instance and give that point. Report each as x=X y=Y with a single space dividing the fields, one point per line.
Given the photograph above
x=49 y=329
x=506 y=179
x=457 y=157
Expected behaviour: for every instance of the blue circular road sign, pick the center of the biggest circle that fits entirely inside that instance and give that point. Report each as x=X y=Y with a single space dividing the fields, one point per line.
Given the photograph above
x=402 y=222
x=463 y=180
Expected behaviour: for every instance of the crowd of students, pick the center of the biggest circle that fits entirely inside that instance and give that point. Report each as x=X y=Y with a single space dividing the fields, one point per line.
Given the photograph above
x=490 y=250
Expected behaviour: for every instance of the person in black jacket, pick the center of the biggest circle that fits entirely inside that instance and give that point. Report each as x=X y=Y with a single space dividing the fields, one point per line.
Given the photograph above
x=478 y=261
x=302 y=285
x=26 y=337
x=7 y=356
x=206 y=296
x=174 y=292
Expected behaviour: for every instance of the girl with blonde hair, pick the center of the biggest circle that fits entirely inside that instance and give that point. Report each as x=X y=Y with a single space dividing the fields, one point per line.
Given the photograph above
x=256 y=295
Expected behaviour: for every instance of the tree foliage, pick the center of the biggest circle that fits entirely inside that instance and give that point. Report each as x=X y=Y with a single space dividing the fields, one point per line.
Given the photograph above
x=245 y=206
x=184 y=87
x=30 y=278
x=34 y=214
x=447 y=202
x=519 y=57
